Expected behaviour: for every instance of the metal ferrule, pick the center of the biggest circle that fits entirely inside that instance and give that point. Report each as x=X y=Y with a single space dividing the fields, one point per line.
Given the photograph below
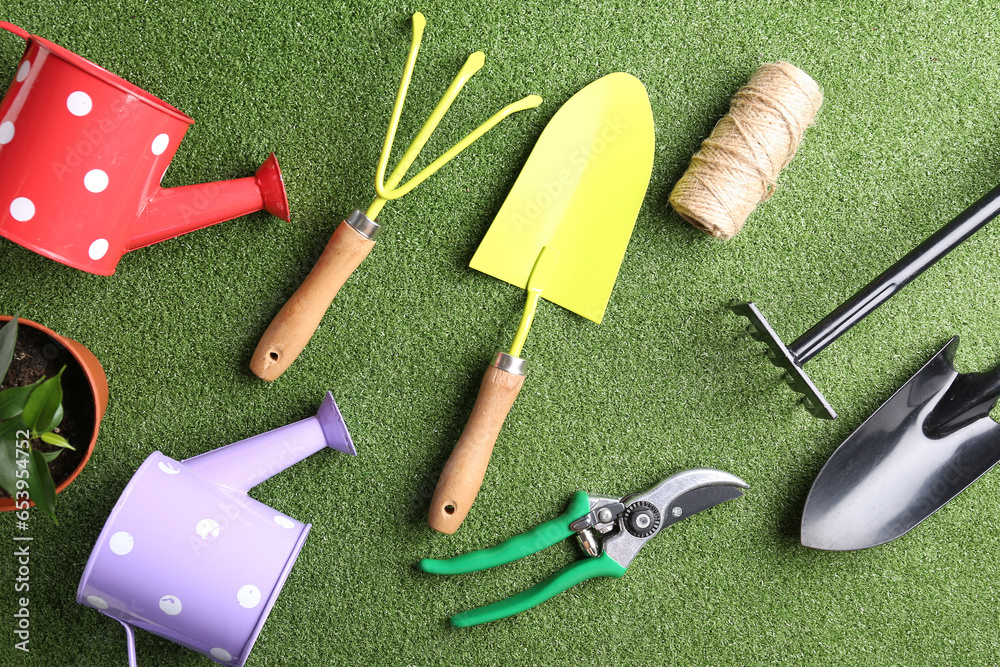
x=509 y=363
x=588 y=543
x=363 y=225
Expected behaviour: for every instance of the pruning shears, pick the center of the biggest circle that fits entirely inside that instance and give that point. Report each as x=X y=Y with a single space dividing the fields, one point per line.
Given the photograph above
x=611 y=531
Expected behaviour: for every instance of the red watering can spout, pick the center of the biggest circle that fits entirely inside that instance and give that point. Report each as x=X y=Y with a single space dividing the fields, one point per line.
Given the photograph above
x=171 y=212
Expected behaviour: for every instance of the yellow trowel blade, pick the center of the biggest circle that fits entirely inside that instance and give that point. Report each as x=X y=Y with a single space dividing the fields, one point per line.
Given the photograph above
x=578 y=193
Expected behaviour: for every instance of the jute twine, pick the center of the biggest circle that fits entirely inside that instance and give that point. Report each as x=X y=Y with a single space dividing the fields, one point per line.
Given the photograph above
x=737 y=167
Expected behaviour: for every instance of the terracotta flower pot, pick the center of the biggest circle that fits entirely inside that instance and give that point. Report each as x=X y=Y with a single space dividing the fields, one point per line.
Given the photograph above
x=97 y=383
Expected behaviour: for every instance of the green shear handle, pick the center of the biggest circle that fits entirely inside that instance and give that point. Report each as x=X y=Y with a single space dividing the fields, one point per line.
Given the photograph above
x=571 y=575
x=541 y=536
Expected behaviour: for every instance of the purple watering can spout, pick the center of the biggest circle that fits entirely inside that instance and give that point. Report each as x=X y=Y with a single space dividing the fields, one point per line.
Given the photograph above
x=245 y=464
x=171 y=212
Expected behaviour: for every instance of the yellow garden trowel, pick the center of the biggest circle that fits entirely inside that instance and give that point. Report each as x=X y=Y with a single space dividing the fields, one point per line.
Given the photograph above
x=561 y=235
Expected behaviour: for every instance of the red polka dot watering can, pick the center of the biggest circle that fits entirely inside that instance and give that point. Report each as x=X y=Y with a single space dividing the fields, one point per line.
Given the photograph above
x=186 y=554
x=82 y=153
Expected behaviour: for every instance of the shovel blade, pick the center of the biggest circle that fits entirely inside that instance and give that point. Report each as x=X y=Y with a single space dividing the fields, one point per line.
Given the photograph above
x=897 y=469
x=579 y=192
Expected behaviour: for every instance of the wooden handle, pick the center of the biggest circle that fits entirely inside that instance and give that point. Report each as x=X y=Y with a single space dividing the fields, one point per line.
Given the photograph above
x=463 y=474
x=297 y=320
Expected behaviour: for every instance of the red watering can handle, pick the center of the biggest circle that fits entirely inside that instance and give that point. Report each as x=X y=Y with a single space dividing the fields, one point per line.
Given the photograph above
x=20 y=32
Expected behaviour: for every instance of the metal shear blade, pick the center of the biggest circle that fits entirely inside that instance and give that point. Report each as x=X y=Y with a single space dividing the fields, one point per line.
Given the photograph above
x=674 y=499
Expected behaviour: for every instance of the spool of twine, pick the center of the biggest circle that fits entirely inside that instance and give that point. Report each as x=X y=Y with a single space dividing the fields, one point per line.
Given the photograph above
x=737 y=167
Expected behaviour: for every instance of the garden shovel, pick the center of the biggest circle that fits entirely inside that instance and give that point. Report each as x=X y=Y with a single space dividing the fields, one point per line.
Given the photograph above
x=561 y=234
x=925 y=445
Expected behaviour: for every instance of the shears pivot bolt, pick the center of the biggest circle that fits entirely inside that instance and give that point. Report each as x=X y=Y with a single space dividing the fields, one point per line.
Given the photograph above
x=642 y=519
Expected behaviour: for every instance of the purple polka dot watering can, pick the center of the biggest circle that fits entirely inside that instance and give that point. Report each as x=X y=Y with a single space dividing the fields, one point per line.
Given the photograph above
x=82 y=153
x=186 y=554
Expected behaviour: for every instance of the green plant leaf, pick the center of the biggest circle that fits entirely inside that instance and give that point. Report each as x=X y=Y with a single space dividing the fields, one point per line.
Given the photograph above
x=40 y=485
x=51 y=456
x=57 y=417
x=8 y=338
x=57 y=440
x=12 y=400
x=40 y=411
x=8 y=454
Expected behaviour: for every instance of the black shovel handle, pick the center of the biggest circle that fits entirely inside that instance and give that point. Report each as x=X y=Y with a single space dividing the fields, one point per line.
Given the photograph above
x=970 y=397
x=896 y=277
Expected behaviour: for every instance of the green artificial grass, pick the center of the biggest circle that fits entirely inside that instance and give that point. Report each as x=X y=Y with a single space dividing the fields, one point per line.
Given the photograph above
x=906 y=138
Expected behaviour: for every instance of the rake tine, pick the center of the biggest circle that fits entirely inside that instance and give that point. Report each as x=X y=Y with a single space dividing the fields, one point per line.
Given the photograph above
x=391 y=188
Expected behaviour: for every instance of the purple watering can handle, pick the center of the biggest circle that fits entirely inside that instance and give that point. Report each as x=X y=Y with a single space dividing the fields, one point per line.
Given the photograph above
x=20 y=32
x=130 y=640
